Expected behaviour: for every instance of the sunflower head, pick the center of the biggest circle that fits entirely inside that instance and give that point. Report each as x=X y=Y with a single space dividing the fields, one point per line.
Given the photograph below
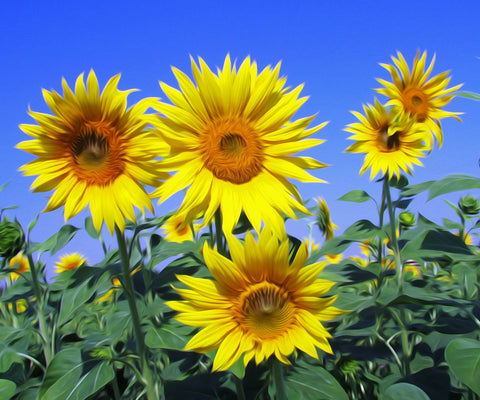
x=232 y=142
x=258 y=304
x=324 y=221
x=94 y=151
x=69 y=262
x=19 y=264
x=417 y=94
x=391 y=142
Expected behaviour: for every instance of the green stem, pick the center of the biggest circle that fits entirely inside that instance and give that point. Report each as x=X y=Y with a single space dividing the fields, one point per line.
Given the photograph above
x=239 y=387
x=393 y=238
x=219 y=233
x=278 y=379
x=47 y=348
x=129 y=292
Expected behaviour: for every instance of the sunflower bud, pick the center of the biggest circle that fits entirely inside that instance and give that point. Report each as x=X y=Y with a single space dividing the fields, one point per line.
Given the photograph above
x=12 y=238
x=323 y=221
x=406 y=219
x=469 y=205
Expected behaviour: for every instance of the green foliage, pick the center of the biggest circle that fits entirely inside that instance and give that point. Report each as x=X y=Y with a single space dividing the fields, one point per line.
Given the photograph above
x=463 y=357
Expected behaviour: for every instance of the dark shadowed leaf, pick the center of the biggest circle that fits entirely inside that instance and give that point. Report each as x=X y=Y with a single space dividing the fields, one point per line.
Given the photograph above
x=404 y=390
x=463 y=357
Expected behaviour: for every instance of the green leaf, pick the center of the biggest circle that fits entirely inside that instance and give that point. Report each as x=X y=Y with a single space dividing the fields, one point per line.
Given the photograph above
x=453 y=183
x=171 y=335
x=72 y=299
x=70 y=377
x=7 y=389
x=463 y=357
x=312 y=382
x=90 y=228
x=58 y=240
x=356 y=196
x=404 y=390
x=8 y=356
x=469 y=95
x=413 y=190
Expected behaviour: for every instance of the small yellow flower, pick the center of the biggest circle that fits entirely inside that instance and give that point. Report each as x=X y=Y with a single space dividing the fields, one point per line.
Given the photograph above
x=324 y=222
x=177 y=230
x=20 y=265
x=258 y=304
x=69 y=262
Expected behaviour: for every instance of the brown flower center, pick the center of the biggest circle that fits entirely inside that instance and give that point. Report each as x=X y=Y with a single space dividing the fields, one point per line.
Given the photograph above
x=389 y=142
x=416 y=102
x=266 y=310
x=232 y=151
x=91 y=151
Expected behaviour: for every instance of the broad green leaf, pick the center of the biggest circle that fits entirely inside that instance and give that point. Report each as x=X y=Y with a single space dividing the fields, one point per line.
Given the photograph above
x=469 y=95
x=73 y=298
x=91 y=229
x=7 y=389
x=70 y=377
x=171 y=335
x=413 y=190
x=312 y=382
x=463 y=357
x=356 y=196
x=57 y=241
x=8 y=356
x=453 y=183
x=404 y=390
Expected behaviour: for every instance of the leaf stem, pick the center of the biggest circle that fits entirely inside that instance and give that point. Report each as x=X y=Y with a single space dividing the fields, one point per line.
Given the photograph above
x=277 y=372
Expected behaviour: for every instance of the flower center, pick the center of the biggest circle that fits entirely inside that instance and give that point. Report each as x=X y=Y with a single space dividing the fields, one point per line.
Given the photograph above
x=416 y=102
x=266 y=310
x=91 y=151
x=389 y=142
x=232 y=151
x=96 y=155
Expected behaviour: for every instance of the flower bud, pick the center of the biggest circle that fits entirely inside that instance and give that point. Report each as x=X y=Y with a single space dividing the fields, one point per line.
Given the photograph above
x=12 y=238
x=469 y=205
x=407 y=219
x=323 y=221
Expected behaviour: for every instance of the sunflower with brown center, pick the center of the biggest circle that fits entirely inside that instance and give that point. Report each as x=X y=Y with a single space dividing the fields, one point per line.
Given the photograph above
x=69 y=262
x=94 y=151
x=232 y=142
x=416 y=95
x=258 y=304
x=392 y=143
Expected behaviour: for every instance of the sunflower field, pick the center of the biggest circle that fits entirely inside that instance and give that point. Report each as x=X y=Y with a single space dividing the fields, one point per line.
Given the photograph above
x=216 y=299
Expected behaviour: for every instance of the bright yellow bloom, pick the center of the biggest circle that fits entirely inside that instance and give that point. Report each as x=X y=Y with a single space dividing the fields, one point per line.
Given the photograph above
x=176 y=230
x=20 y=306
x=94 y=151
x=232 y=142
x=257 y=305
x=391 y=143
x=69 y=262
x=418 y=97
x=20 y=264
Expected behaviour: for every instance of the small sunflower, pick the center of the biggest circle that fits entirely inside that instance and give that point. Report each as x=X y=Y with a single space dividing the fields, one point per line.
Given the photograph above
x=232 y=142
x=392 y=143
x=258 y=304
x=324 y=221
x=69 y=262
x=94 y=151
x=418 y=97
x=20 y=265
x=176 y=230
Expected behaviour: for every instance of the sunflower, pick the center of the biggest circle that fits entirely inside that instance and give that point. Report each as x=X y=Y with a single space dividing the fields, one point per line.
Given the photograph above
x=20 y=265
x=176 y=231
x=231 y=142
x=416 y=96
x=69 y=262
x=258 y=304
x=324 y=221
x=94 y=151
x=391 y=142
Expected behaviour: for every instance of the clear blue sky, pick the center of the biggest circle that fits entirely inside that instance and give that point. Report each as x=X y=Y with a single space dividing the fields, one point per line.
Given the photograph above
x=332 y=47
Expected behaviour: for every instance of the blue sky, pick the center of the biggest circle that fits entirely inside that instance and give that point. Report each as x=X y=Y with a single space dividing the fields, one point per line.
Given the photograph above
x=334 y=48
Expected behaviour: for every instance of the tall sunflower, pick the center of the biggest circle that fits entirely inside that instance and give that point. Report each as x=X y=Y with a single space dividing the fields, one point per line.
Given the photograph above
x=392 y=143
x=94 y=151
x=258 y=304
x=413 y=93
x=232 y=142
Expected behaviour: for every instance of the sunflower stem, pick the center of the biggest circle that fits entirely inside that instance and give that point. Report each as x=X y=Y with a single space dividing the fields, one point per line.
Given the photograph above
x=277 y=372
x=219 y=233
x=129 y=292
x=393 y=234
x=239 y=387
x=47 y=348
